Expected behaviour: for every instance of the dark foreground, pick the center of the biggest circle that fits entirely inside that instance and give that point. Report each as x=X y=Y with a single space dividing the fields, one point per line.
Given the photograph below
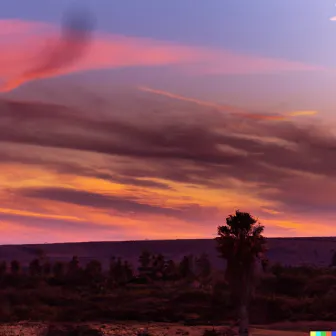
x=189 y=292
x=156 y=329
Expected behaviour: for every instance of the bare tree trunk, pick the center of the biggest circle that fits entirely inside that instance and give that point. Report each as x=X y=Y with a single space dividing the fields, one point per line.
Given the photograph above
x=245 y=296
x=243 y=320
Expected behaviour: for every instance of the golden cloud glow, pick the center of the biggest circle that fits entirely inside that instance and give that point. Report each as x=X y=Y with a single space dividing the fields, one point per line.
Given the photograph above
x=271 y=211
x=302 y=113
x=36 y=214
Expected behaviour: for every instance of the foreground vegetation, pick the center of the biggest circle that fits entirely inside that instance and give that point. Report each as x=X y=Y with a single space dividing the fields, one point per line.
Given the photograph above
x=159 y=290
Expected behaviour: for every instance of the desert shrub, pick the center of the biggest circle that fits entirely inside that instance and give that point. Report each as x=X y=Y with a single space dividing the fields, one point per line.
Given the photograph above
x=192 y=296
x=267 y=284
x=291 y=285
x=277 y=269
x=53 y=330
x=333 y=260
x=220 y=285
x=211 y=332
x=319 y=285
x=304 y=271
x=143 y=332
x=214 y=332
x=270 y=309
x=323 y=307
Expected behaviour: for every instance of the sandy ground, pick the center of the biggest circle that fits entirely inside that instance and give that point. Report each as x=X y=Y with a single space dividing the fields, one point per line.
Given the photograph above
x=128 y=329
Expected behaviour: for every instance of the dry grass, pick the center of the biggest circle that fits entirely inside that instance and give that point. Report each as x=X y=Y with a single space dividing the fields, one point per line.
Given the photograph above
x=132 y=329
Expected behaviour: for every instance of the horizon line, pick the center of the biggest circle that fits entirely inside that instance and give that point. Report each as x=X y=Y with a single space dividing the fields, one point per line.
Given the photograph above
x=155 y=240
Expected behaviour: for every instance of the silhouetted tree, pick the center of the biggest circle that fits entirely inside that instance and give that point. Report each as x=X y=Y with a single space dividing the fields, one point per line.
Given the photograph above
x=119 y=271
x=35 y=268
x=145 y=259
x=186 y=267
x=74 y=275
x=333 y=260
x=3 y=268
x=112 y=269
x=241 y=243
x=277 y=269
x=128 y=271
x=146 y=268
x=158 y=266
x=15 y=267
x=93 y=271
x=40 y=254
x=170 y=270
x=203 y=267
x=73 y=265
x=58 y=270
x=46 y=268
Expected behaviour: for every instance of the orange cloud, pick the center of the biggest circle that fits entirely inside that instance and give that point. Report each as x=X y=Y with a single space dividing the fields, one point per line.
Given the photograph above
x=271 y=211
x=22 y=59
x=302 y=113
x=36 y=214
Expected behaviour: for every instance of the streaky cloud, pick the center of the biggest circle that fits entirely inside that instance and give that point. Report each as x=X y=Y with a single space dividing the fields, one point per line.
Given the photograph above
x=75 y=51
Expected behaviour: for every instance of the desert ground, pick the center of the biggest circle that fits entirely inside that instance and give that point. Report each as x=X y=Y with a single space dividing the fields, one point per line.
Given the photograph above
x=161 y=329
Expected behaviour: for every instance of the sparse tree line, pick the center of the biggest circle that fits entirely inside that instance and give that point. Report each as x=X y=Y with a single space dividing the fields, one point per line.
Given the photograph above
x=152 y=268
x=161 y=289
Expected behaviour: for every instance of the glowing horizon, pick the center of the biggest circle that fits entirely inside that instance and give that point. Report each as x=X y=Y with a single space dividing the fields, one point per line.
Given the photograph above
x=124 y=131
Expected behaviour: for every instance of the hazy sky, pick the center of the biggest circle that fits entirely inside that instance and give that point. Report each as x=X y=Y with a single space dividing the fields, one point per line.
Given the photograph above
x=165 y=118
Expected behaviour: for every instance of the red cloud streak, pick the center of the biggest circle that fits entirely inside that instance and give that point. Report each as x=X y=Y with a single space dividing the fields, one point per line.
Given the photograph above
x=29 y=54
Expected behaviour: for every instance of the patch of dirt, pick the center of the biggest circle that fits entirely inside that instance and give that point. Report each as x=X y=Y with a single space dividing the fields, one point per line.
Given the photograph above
x=132 y=329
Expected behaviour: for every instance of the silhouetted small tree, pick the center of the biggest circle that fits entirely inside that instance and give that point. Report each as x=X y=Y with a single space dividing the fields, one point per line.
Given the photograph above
x=73 y=265
x=112 y=269
x=3 y=268
x=46 y=268
x=186 y=267
x=35 y=268
x=242 y=244
x=146 y=267
x=128 y=271
x=58 y=270
x=203 y=266
x=277 y=269
x=158 y=266
x=93 y=271
x=15 y=267
x=333 y=260
x=119 y=271
x=170 y=270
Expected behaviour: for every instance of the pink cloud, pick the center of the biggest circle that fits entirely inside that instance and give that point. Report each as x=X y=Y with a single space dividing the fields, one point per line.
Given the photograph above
x=27 y=46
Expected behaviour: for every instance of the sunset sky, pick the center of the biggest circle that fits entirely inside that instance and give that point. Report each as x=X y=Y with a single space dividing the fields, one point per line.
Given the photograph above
x=156 y=119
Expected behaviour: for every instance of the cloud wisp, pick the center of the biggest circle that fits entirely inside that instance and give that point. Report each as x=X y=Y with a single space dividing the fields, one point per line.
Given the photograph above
x=76 y=50
x=67 y=49
x=229 y=108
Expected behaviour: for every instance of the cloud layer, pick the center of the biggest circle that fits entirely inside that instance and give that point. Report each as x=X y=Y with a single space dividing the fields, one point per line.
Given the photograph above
x=158 y=168
x=33 y=50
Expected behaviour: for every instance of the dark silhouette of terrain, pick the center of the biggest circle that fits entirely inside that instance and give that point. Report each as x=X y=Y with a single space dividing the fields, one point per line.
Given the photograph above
x=312 y=251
